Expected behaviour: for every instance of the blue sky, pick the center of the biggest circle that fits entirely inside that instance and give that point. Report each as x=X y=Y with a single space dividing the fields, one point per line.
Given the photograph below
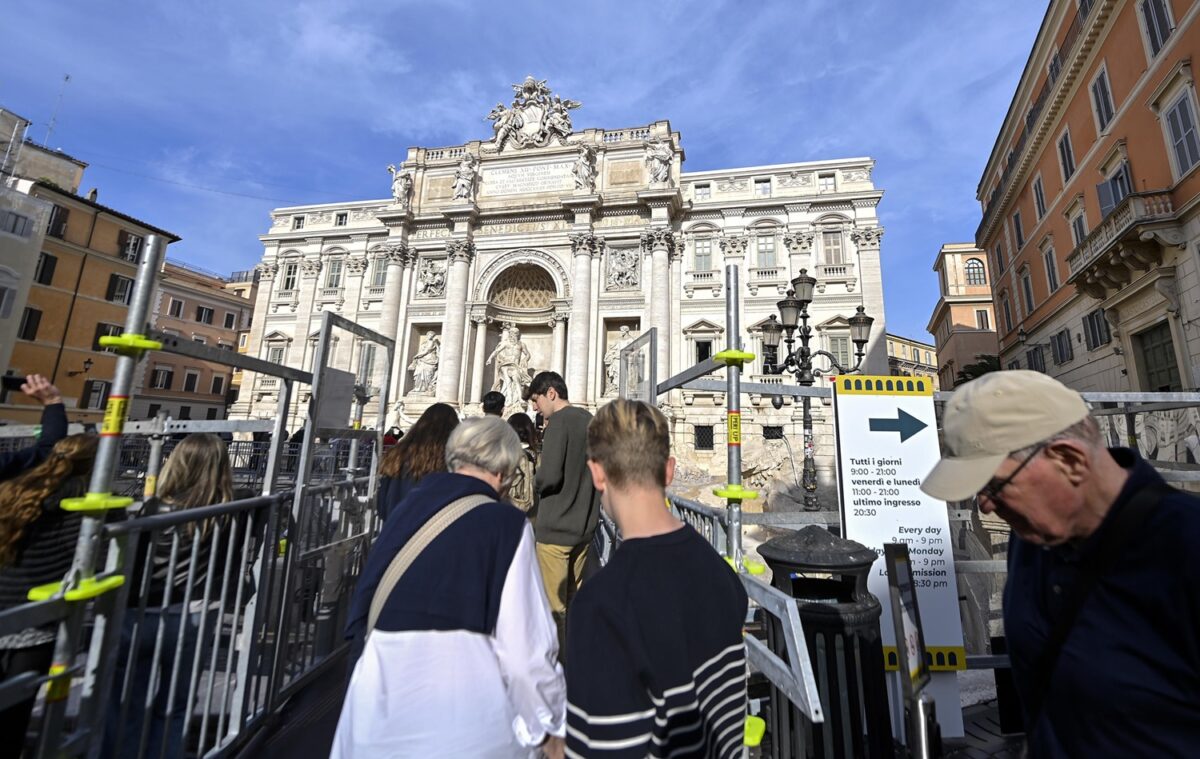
x=283 y=103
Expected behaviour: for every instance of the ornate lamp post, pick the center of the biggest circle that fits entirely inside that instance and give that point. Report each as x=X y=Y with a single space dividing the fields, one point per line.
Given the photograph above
x=793 y=318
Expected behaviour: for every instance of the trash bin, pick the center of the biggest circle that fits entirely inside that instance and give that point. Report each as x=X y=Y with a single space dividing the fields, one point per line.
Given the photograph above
x=827 y=576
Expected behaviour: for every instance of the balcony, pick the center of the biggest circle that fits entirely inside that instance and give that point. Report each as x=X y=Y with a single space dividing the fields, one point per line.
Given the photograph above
x=837 y=274
x=768 y=277
x=703 y=280
x=1129 y=240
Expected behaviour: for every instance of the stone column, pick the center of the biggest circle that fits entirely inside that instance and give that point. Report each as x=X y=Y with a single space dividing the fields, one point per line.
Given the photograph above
x=583 y=247
x=559 y=322
x=460 y=253
x=394 y=292
x=480 y=355
x=661 y=242
x=870 y=284
x=679 y=362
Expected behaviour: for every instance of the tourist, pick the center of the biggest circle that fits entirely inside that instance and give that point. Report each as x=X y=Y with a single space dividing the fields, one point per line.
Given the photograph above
x=458 y=651
x=1102 y=602
x=655 y=669
x=37 y=547
x=493 y=403
x=422 y=451
x=568 y=507
x=523 y=494
x=54 y=428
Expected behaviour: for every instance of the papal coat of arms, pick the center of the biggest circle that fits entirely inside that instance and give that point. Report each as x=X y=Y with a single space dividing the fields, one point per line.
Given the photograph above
x=535 y=118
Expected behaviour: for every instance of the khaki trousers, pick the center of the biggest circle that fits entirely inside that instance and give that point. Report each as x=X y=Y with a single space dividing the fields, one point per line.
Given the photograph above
x=562 y=573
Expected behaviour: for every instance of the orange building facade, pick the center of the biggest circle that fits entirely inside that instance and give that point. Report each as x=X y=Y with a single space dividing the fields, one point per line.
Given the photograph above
x=1090 y=199
x=963 y=323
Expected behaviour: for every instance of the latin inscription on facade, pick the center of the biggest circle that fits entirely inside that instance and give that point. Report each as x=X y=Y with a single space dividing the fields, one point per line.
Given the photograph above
x=527 y=180
x=523 y=226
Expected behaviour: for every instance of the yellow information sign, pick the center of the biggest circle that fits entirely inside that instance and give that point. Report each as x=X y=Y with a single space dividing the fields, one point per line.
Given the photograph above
x=114 y=416
x=734 y=427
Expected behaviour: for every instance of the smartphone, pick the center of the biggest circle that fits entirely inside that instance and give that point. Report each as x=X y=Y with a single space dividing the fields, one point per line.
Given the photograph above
x=12 y=383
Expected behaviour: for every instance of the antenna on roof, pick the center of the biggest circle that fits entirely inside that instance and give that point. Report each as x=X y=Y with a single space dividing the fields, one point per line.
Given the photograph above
x=54 y=116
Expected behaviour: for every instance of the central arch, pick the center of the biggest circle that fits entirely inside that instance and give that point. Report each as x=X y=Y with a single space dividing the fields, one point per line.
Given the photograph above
x=539 y=258
x=523 y=287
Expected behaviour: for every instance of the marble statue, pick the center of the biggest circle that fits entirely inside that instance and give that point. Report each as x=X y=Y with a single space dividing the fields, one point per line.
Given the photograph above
x=535 y=118
x=624 y=269
x=505 y=121
x=464 y=178
x=658 y=158
x=512 y=367
x=612 y=359
x=402 y=186
x=431 y=279
x=585 y=169
x=424 y=365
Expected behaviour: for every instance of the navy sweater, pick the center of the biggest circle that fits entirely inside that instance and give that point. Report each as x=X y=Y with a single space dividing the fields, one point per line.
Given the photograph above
x=54 y=428
x=1127 y=681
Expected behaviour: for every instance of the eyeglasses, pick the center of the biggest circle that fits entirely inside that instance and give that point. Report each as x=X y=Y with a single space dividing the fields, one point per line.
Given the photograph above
x=991 y=490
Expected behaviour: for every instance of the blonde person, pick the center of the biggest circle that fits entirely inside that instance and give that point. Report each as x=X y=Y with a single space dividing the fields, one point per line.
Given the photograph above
x=460 y=651
x=37 y=546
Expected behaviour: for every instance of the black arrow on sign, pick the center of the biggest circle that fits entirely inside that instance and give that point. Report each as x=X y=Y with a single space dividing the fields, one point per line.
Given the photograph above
x=904 y=423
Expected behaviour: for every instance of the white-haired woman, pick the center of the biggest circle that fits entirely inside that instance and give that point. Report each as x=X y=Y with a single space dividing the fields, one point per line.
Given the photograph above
x=458 y=648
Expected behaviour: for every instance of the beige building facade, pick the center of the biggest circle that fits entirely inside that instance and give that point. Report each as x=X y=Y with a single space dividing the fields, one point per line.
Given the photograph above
x=963 y=323
x=912 y=358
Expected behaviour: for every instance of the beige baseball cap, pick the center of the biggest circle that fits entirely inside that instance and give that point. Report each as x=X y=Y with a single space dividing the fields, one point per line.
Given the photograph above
x=989 y=418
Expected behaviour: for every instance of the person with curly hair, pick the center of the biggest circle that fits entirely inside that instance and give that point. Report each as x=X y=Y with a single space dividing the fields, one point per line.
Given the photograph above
x=420 y=452
x=37 y=546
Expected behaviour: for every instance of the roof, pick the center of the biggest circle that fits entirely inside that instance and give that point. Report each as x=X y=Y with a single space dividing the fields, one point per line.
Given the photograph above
x=56 y=153
x=921 y=343
x=172 y=237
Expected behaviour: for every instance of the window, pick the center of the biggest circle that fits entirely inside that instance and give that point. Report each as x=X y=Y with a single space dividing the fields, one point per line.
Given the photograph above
x=1078 y=228
x=199 y=339
x=1156 y=17
x=839 y=346
x=772 y=432
x=333 y=274
x=105 y=330
x=981 y=319
x=1039 y=198
x=1102 y=103
x=976 y=275
x=218 y=384
x=152 y=410
x=94 y=394
x=175 y=308
x=340 y=219
x=1051 y=268
x=1014 y=364
x=161 y=379
x=1000 y=262
x=185 y=412
x=1181 y=123
x=1018 y=231
x=1027 y=291
x=379 y=272
x=1035 y=359
x=1066 y=156
x=204 y=314
x=15 y=224
x=224 y=346
x=44 y=273
x=826 y=182
x=275 y=354
x=703 y=350
x=766 y=251
x=190 y=381
x=57 y=227
x=831 y=247
x=230 y=320
x=1114 y=189
x=120 y=289
x=366 y=364
x=1008 y=322
x=210 y=413
x=704 y=437
x=703 y=191
x=129 y=246
x=762 y=188
x=1054 y=68
x=242 y=340
x=703 y=255
x=1095 y=330
x=287 y=282
x=30 y=319
x=1060 y=347
x=297 y=222
x=1085 y=7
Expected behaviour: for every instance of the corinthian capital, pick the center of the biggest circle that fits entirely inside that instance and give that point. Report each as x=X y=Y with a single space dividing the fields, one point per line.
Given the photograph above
x=586 y=242
x=867 y=237
x=356 y=265
x=460 y=250
x=266 y=270
x=310 y=267
x=397 y=253
x=734 y=245
x=658 y=239
x=798 y=242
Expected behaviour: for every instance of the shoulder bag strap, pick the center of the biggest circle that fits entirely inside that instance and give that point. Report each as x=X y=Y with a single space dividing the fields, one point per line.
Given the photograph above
x=1104 y=557
x=413 y=548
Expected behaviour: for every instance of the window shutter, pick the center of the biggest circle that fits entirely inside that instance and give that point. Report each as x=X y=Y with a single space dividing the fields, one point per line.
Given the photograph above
x=48 y=264
x=85 y=395
x=113 y=279
x=1107 y=201
x=170 y=380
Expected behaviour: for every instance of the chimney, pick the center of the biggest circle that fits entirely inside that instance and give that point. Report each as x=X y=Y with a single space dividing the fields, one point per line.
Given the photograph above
x=92 y=193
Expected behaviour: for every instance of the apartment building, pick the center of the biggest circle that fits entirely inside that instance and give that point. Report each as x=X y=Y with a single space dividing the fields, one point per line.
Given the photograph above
x=1090 y=196
x=245 y=285
x=963 y=323
x=911 y=358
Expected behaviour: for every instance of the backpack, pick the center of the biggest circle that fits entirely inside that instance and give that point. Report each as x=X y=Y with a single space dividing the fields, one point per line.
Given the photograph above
x=521 y=491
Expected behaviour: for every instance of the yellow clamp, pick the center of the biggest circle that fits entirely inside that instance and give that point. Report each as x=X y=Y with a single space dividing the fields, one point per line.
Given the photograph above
x=751 y=567
x=130 y=344
x=735 y=493
x=756 y=728
x=941 y=658
x=89 y=588
x=733 y=357
x=95 y=502
x=60 y=683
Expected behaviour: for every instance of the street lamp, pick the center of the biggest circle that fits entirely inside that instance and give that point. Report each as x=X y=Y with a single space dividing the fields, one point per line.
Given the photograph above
x=793 y=318
x=87 y=367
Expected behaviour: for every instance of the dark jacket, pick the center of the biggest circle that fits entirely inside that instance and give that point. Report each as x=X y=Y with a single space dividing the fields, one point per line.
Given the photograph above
x=392 y=490
x=54 y=428
x=46 y=548
x=568 y=505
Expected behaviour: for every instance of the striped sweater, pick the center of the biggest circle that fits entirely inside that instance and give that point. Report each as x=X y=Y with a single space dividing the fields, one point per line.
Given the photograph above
x=656 y=663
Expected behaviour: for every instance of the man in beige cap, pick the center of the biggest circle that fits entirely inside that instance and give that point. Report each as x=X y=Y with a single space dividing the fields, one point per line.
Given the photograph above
x=1102 y=603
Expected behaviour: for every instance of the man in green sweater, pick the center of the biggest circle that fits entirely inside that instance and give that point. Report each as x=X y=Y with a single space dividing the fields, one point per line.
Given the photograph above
x=568 y=507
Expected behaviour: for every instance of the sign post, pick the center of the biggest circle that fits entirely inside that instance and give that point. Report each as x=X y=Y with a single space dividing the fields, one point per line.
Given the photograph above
x=922 y=736
x=887 y=442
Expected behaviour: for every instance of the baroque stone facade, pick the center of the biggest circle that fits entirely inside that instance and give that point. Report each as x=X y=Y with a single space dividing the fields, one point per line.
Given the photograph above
x=569 y=236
